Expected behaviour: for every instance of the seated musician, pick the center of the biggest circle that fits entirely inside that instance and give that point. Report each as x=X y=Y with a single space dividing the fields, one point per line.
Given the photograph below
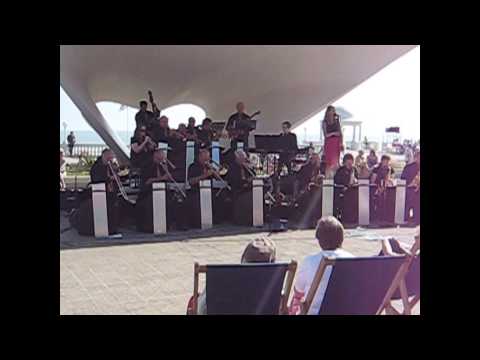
x=198 y=171
x=381 y=176
x=101 y=172
x=372 y=159
x=359 y=159
x=239 y=177
x=141 y=149
x=329 y=234
x=63 y=169
x=160 y=130
x=144 y=117
x=205 y=133
x=239 y=123
x=308 y=175
x=158 y=170
x=288 y=143
x=346 y=176
x=411 y=174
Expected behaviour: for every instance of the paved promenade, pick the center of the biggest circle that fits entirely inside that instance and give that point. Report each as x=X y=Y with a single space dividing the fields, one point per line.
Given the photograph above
x=149 y=275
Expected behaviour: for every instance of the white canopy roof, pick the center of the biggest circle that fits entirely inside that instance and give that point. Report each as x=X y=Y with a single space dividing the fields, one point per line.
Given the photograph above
x=284 y=82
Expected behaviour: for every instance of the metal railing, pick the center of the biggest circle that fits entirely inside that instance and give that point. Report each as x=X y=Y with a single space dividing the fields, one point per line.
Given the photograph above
x=84 y=149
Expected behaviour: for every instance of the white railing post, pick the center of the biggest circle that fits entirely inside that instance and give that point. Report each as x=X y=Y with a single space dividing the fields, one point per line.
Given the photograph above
x=327 y=197
x=100 y=217
x=159 y=200
x=257 y=202
x=189 y=159
x=363 y=202
x=400 y=197
x=206 y=204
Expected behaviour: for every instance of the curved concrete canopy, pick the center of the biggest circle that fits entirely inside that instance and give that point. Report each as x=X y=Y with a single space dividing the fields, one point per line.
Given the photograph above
x=290 y=82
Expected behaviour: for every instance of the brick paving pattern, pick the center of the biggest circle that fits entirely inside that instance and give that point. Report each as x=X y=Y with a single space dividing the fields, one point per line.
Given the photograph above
x=154 y=275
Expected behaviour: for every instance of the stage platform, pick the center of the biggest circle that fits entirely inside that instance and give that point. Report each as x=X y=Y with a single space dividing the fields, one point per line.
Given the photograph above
x=143 y=274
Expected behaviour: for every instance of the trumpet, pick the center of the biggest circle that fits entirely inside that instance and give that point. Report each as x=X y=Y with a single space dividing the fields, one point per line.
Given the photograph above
x=164 y=165
x=119 y=183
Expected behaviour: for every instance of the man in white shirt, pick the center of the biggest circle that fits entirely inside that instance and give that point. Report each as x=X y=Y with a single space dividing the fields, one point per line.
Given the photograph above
x=329 y=234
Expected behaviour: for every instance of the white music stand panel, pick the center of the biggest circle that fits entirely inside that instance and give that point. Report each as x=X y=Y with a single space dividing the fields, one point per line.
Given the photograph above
x=100 y=216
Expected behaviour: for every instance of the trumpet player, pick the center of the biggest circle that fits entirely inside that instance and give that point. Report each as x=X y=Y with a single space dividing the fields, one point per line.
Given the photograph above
x=142 y=147
x=411 y=174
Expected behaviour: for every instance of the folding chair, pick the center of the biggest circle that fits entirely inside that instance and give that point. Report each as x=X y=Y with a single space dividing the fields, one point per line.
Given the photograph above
x=356 y=286
x=247 y=289
x=406 y=285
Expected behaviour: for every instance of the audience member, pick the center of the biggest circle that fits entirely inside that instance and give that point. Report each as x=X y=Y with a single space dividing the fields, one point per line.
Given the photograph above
x=329 y=234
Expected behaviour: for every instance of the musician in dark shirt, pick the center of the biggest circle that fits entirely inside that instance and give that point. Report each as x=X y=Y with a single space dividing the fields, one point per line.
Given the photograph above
x=308 y=174
x=239 y=177
x=381 y=177
x=240 y=123
x=191 y=129
x=154 y=172
x=144 y=117
x=205 y=134
x=160 y=131
x=411 y=174
x=100 y=172
x=141 y=148
x=288 y=144
x=346 y=176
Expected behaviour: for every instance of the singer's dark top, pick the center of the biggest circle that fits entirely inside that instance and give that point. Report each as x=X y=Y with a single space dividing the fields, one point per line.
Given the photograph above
x=333 y=127
x=99 y=172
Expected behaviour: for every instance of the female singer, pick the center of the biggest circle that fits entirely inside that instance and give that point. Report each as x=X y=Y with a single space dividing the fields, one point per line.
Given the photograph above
x=332 y=133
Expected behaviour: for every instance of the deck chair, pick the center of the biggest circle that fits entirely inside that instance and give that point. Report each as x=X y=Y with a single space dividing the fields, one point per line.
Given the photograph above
x=247 y=289
x=356 y=286
x=406 y=285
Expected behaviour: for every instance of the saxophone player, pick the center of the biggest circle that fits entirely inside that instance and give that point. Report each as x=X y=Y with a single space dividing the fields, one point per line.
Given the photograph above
x=381 y=177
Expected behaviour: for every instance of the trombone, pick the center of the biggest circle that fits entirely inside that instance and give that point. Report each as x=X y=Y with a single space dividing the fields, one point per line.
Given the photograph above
x=119 y=183
x=218 y=177
x=164 y=165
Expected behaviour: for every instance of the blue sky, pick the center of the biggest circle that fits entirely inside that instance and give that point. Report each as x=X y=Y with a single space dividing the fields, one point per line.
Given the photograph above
x=389 y=98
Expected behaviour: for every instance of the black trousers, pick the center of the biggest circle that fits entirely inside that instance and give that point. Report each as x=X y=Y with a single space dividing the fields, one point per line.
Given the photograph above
x=70 y=149
x=412 y=202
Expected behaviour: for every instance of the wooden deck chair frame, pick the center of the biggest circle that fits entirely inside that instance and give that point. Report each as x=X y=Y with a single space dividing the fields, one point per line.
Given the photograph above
x=292 y=267
x=305 y=305
x=400 y=284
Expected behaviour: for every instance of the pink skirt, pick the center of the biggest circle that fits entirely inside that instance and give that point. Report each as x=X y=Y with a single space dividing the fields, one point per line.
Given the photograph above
x=332 y=150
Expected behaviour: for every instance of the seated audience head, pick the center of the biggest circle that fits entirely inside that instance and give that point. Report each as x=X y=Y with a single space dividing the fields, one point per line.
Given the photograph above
x=329 y=233
x=260 y=250
x=348 y=160
x=206 y=123
x=240 y=107
x=107 y=155
x=163 y=121
x=385 y=160
x=203 y=156
x=191 y=121
x=159 y=156
x=143 y=105
x=286 y=125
